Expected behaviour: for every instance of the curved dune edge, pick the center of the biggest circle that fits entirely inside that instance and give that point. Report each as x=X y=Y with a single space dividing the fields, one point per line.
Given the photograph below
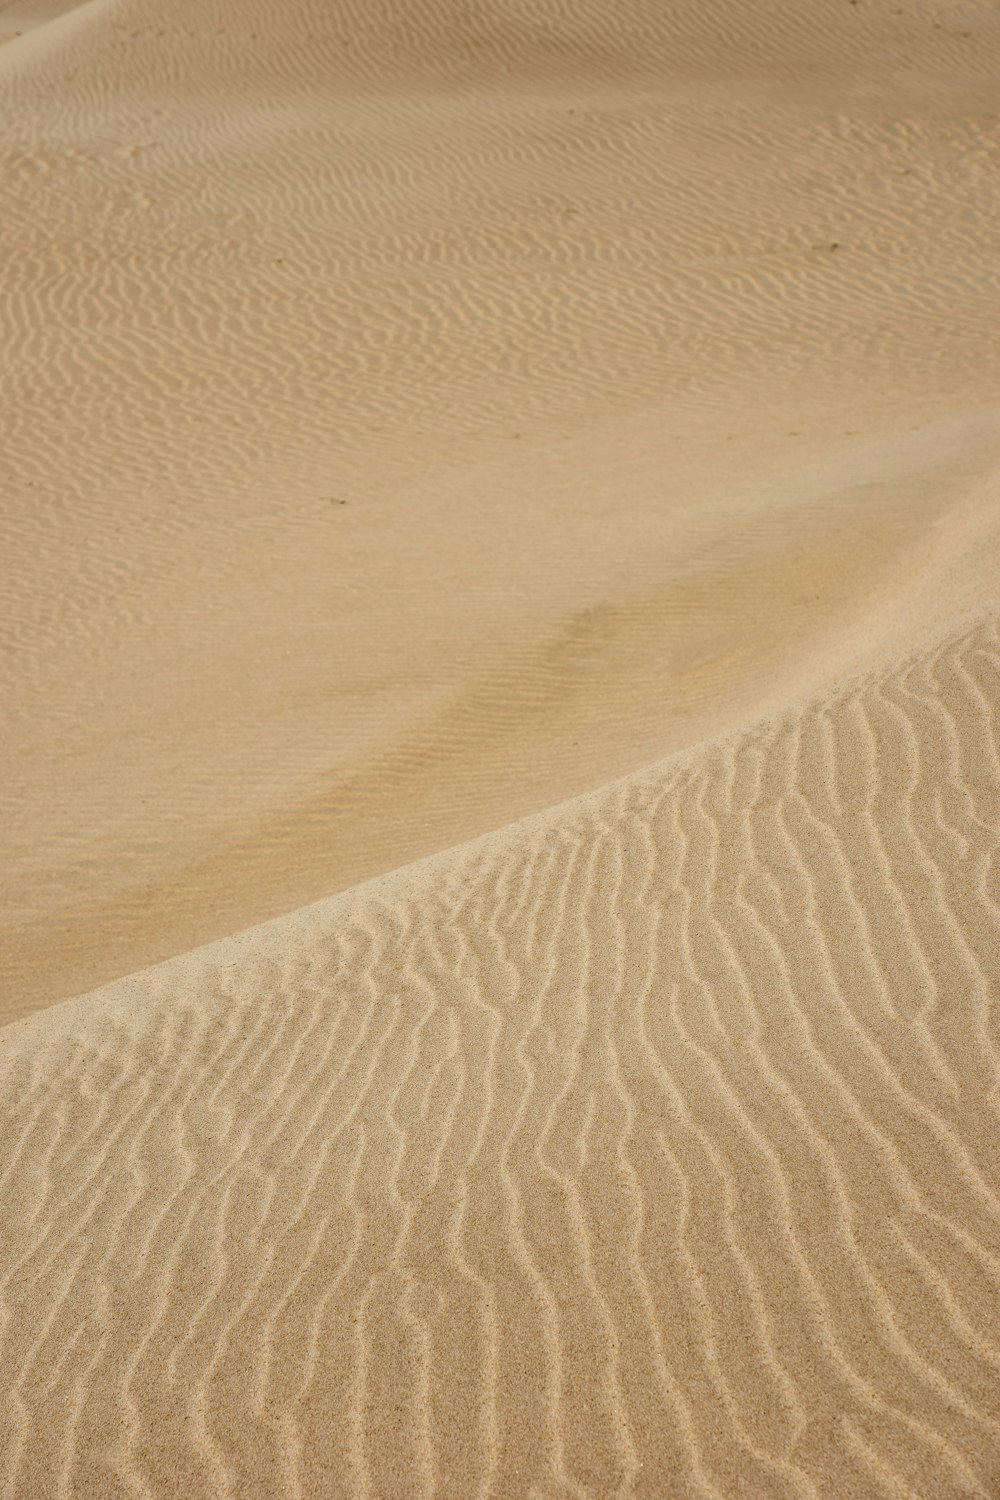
x=565 y=301
x=646 y=1148
x=24 y=18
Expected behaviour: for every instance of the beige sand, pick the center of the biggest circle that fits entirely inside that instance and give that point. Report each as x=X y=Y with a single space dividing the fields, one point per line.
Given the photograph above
x=418 y=414
x=561 y=441
x=648 y=1148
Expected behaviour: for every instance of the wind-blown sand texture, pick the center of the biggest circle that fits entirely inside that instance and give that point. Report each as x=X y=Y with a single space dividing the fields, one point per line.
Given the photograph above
x=501 y=504
x=648 y=1148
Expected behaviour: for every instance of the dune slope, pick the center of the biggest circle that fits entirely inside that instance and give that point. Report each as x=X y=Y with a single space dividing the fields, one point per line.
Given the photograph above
x=501 y=513
x=645 y=1148
x=416 y=414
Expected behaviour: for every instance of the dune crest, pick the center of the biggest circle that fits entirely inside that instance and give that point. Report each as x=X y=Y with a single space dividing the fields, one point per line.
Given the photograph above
x=645 y=1148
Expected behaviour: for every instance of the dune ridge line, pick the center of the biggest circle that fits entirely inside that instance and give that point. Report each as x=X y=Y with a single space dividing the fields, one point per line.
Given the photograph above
x=584 y=1165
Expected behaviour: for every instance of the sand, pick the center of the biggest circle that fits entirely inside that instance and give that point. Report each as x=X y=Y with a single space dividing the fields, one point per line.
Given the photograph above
x=500 y=761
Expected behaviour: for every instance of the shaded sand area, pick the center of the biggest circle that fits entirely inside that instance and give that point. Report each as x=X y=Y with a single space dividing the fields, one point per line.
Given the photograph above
x=501 y=512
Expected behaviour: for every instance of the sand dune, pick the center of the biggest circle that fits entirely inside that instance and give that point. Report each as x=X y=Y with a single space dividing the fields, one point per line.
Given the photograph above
x=501 y=513
x=646 y=1148
x=616 y=321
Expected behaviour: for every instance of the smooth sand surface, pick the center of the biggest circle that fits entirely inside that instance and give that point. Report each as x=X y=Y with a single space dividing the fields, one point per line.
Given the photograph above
x=501 y=511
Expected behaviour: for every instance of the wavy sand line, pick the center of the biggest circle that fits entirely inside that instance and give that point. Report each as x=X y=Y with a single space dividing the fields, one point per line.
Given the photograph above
x=642 y=1148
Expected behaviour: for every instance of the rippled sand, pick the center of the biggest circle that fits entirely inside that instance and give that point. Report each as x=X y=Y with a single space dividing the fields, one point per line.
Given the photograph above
x=502 y=512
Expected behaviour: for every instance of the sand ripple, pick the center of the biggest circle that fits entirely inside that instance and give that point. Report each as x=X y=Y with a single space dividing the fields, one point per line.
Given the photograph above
x=646 y=1148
